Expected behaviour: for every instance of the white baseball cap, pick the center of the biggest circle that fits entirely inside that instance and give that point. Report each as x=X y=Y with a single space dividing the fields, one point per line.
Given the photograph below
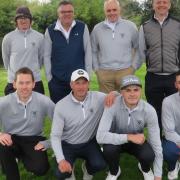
x=78 y=74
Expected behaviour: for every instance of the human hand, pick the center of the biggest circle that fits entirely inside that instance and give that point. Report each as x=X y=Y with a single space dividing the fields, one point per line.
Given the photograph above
x=39 y=147
x=136 y=138
x=5 y=139
x=64 y=166
x=157 y=178
x=110 y=98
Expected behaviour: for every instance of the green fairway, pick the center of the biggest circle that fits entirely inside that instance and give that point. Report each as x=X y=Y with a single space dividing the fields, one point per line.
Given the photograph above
x=128 y=163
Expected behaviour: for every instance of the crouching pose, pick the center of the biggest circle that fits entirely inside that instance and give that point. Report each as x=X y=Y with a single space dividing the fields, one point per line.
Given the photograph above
x=171 y=129
x=74 y=127
x=121 y=130
x=22 y=116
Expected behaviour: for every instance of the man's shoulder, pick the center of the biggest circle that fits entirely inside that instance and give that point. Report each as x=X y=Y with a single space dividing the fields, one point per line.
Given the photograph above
x=171 y=98
x=37 y=33
x=40 y=97
x=10 y=34
x=127 y=22
x=174 y=18
x=99 y=26
x=147 y=107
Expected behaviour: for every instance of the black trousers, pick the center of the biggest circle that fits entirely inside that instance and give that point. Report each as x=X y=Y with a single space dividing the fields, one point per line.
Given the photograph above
x=38 y=88
x=23 y=149
x=144 y=153
x=157 y=87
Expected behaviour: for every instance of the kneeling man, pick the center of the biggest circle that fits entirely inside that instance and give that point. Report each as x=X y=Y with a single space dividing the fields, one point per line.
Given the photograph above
x=121 y=130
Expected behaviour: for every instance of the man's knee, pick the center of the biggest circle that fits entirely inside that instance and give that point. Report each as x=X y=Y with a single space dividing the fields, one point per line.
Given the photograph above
x=39 y=170
x=61 y=175
x=170 y=150
x=109 y=149
x=4 y=151
x=147 y=154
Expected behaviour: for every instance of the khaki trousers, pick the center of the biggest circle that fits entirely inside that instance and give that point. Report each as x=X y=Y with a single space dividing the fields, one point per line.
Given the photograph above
x=109 y=80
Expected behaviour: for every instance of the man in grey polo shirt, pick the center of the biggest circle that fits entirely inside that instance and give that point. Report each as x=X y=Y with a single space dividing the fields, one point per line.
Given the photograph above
x=22 y=116
x=121 y=130
x=74 y=127
x=171 y=129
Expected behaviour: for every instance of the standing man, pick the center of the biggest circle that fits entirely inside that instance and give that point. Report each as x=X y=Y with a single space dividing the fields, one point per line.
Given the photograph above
x=23 y=47
x=74 y=127
x=22 y=116
x=171 y=129
x=114 y=47
x=159 y=42
x=67 y=48
x=121 y=130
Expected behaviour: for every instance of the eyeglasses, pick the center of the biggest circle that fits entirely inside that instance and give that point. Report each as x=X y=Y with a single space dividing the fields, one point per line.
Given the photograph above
x=111 y=10
x=66 y=12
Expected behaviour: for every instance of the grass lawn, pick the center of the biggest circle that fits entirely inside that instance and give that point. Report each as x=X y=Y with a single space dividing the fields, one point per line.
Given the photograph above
x=128 y=163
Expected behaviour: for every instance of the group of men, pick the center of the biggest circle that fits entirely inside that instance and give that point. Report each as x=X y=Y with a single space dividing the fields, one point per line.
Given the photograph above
x=83 y=119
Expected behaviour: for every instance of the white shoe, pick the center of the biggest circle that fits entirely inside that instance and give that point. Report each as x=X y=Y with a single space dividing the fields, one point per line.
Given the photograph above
x=86 y=175
x=72 y=177
x=174 y=174
x=147 y=175
x=113 y=177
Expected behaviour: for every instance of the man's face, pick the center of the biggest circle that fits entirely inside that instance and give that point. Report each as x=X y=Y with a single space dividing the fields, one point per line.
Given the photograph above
x=24 y=85
x=161 y=7
x=177 y=83
x=80 y=88
x=23 y=23
x=131 y=95
x=66 y=14
x=112 y=11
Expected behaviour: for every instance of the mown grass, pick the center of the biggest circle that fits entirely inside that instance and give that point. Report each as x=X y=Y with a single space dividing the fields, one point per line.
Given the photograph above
x=128 y=163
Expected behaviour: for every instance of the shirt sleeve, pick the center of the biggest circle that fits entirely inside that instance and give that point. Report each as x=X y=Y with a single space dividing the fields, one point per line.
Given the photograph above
x=104 y=136
x=47 y=55
x=168 y=122
x=41 y=52
x=87 y=50
x=6 y=51
x=135 y=47
x=56 y=134
x=142 y=46
x=154 y=139
x=94 y=45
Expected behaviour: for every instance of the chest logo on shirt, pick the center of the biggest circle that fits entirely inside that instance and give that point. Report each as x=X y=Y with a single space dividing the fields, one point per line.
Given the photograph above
x=122 y=35
x=76 y=34
x=91 y=110
x=33 y=44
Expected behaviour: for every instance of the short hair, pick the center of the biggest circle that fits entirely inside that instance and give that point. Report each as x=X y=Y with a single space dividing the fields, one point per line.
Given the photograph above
x=65 y=2
x=178 y=73
x=107 y=1
x=24 y=70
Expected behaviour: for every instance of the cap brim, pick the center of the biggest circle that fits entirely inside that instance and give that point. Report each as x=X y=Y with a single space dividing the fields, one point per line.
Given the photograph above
x=124 y=87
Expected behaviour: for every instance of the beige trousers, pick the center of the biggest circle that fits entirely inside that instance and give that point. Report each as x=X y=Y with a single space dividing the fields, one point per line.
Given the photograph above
x=109 y=80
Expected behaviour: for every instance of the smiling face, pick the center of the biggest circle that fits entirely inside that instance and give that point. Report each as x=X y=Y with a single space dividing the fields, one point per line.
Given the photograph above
x=112 y=10
x=24 y=85
x=131 y=95
x=80 y=88
x=66 y=15
x=161 y=7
